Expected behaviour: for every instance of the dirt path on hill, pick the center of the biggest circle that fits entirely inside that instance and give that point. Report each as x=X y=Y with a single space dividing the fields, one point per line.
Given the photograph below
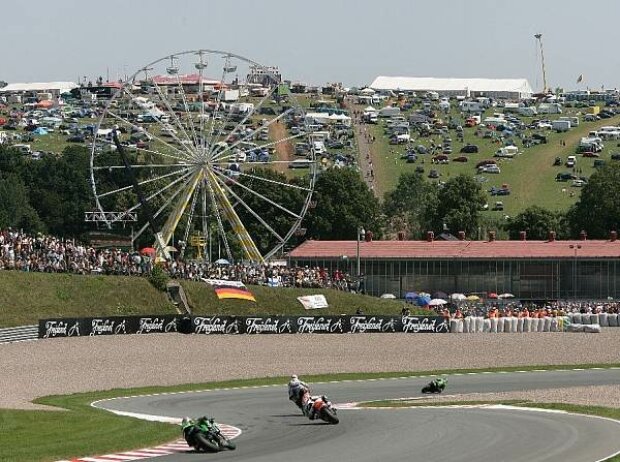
x=285 y=150
x=364 y=147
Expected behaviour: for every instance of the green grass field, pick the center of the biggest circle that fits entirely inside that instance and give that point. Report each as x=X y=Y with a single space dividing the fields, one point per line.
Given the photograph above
x=531 y=175
x=27 y=297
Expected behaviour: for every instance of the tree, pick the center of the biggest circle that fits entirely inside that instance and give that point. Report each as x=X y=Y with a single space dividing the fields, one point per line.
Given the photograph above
x=458 y=205
x=15 y=208
x=598 y=209
x=343 y=203
x=406 y=205
x=536 y=221
x=269 y=184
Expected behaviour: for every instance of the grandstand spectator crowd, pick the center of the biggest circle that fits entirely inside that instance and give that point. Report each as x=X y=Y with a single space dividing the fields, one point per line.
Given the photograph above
x=48 y=254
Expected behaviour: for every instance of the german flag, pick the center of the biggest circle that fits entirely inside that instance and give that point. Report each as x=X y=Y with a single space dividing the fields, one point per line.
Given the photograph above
x=230 y=289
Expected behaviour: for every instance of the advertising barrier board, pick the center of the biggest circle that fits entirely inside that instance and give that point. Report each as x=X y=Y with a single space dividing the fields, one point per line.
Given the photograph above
x=236 y=325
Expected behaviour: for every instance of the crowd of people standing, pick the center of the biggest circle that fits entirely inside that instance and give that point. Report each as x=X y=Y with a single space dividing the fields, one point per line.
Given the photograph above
x=48 y=254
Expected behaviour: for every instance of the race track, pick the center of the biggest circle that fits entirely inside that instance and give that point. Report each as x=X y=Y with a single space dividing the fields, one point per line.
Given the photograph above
x=274 y=430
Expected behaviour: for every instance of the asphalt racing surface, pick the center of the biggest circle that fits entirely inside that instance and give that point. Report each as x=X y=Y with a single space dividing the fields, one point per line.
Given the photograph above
x=274 y=429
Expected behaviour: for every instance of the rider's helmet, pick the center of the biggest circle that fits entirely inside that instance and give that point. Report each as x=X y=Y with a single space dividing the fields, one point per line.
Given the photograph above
x=294 y=380
x=185 y=422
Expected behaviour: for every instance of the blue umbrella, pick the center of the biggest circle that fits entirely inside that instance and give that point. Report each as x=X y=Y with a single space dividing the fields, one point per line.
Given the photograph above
x=422 y=300
x=411 y=296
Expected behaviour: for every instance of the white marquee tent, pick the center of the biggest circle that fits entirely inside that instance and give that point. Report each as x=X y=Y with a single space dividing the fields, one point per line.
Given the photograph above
x=496 y=88
x=51 y=87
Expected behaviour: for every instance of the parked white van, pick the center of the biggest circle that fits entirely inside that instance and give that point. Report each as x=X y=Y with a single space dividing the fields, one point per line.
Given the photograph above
x=507 y=152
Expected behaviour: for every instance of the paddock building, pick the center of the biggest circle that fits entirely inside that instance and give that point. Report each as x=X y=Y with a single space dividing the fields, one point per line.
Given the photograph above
x=491 y=88
x=530 y=270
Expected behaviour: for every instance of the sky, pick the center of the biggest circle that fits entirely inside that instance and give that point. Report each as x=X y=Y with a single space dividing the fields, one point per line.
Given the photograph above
x=319 y=41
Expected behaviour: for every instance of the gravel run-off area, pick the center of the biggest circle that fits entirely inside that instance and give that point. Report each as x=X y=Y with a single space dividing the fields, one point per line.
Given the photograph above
x=62 y=366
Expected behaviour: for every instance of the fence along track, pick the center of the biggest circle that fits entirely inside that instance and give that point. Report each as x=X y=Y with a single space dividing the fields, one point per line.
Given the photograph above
x=19 y=334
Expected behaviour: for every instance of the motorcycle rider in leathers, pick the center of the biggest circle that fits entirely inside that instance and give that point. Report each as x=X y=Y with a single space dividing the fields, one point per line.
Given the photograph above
x=296 y=390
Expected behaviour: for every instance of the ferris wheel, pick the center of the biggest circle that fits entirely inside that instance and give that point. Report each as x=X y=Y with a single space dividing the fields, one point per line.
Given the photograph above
x=206 y=143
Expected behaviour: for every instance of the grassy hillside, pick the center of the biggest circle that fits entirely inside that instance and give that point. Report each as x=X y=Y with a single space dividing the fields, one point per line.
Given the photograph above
x=27 y=297
x=531 y=175
x=284 y=301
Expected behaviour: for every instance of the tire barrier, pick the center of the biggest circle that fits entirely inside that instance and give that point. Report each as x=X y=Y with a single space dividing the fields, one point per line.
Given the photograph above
x=511 y=324
x=234 y=325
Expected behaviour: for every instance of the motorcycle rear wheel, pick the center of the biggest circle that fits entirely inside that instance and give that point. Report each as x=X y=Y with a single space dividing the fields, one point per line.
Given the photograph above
x=329 y=416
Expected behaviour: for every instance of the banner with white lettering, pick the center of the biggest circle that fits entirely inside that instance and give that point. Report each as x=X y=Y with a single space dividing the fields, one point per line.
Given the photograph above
x=235 y=325
x=313 y=302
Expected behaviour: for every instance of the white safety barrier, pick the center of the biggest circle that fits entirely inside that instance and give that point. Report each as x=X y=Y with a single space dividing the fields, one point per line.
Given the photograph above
x=511 y=324
x=612 y=320
x=588 y=328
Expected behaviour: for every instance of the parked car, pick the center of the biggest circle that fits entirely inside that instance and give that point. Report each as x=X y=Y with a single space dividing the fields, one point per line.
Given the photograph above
x=557 y=161
x=469 y=149
x=433 y=174
x=564 y=176
x=590 y=154
x=461 y=159
x=485 y=162
x=499 y=205
x=578 y=183
x=615 y=157
x=491 y=168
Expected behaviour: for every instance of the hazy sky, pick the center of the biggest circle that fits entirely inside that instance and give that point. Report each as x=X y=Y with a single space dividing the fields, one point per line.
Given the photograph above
x=318 y=41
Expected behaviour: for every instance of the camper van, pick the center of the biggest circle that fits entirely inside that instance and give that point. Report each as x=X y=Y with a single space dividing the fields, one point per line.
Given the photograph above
x=389 y=111
x=527 y=111
x=472 y=106
x=507 y=152
x=574 y=121
x=561 y=125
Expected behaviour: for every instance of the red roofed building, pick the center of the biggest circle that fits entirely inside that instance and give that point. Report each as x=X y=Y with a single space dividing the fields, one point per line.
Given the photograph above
x=531 y=270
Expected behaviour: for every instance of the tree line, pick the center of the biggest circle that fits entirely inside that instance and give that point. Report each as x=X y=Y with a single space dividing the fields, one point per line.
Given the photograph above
x=51 y=195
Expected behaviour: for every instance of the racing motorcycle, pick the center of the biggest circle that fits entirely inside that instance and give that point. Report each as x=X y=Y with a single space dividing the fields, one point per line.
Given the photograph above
x=434 y=387
x=207 y=437
x=325 y=411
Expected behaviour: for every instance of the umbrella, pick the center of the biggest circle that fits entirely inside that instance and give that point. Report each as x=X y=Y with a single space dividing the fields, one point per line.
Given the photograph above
x=440 y=294
x=422 y=300
x=458 y=297
x=425 y=294
x=473 y=298
x=148 y=251
x=492 y=295
x=437 y=302
x=388 y=296
x=411 y=296
x=222 y=261
x=505 y=296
